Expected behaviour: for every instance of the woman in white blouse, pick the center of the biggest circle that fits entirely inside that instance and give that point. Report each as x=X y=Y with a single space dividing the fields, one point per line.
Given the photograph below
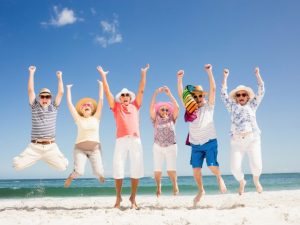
x=86 y=115
x=242 y=103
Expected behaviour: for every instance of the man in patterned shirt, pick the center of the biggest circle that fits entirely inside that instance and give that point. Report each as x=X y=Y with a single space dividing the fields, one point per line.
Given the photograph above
x=44 y=113
x=242 y=103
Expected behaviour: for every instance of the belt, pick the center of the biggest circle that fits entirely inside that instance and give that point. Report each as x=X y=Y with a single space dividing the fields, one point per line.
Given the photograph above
x=44 y=142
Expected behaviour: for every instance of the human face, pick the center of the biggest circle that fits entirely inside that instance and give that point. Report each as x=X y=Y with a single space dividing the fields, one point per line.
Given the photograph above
x=164 y=111
x=242 y=97
x=45 y=100
x=87 y=109
x=199 y=98
x=125 y=98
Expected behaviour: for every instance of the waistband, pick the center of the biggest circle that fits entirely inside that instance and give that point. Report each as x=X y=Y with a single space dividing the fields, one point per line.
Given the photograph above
x=43 y=142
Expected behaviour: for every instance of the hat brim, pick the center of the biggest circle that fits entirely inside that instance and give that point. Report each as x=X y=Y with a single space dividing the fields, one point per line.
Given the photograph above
x=132 y=95
x=244 y=88
x=169 y=105
x=85 y=100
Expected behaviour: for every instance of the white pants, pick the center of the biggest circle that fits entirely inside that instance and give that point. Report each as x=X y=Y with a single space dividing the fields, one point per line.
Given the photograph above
x=160 y=154
x=250 y=145
x=80 y=157
x=133 y=146
x=48 y=153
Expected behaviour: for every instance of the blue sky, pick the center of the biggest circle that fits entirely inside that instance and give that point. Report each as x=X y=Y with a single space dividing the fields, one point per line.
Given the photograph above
x=122 y=36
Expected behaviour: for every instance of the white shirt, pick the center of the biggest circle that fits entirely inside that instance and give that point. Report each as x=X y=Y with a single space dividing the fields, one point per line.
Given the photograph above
x=202 y=129
x=88 y=129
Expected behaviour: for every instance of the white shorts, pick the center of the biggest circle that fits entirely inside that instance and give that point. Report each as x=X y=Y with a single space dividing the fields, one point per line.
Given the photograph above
x=49 y=153
x=164 y=153
x=80 y=157
x=132 y=145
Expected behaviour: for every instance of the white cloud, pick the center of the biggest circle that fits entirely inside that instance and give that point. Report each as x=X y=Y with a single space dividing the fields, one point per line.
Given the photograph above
x=93 y=11
x=110 y=33
x=62 y=17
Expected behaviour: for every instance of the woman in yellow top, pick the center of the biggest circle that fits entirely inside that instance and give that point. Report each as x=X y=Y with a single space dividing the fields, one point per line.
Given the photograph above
x=86 y=115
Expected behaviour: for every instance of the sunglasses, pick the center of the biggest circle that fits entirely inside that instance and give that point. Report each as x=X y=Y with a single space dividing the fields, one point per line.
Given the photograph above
x=45 y=96
x=87 y=105
x=198 y=96
x=125 y=95
x=239 y=95
x=164 y=110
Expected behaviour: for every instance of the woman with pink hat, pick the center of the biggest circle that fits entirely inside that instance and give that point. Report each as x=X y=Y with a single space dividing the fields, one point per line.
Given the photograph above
x=163 y=116
x=242 y=103
x=86 y=114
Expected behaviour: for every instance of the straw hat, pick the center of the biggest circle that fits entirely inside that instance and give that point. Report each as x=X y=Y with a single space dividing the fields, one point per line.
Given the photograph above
x=125 y=91
x=242 y=88
x=83 y=101
x=169 y=105
x=198 y=88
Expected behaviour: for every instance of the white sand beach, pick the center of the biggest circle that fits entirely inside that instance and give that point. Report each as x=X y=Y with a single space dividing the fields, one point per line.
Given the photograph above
x=278 y=207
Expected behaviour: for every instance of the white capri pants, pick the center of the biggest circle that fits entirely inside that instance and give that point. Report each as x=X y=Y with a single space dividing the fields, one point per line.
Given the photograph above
x=133 y=146
x=161 y=154
x=250 y=145
x=49 y=153
x=80 y=157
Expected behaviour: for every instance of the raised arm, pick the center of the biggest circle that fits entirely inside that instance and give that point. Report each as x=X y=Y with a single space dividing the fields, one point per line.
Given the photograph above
x=153 y=100
x=180 y=74
x=109 y=96
x=212 y=85
x=261 y=89
x=224 y=95
x=31 y=93
x=71 y=107
x=60 y=89
x=140 y=94
x=100 y=101
x=174 y=102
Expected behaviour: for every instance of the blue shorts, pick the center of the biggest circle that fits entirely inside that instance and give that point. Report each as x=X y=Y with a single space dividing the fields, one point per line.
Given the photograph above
x=209 y=150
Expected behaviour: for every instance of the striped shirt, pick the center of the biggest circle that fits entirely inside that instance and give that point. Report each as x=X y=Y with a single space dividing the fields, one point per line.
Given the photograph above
x=202 y=129
x=43 y=121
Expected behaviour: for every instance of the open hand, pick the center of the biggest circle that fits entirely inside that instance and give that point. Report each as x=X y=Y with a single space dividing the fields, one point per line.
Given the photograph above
x=69 y=86
x=166 y=90
x=101 y=71
x=144 y=70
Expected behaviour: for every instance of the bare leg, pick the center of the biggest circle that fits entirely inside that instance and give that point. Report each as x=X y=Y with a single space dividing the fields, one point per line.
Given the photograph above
x=157 y=176
x=257 y=184
x=134 y=185
x=216 y=171
x=198 y=179
x=242 y=186
x=101 y=179
x=68 y=181
x=118 y=185
x=173 y=176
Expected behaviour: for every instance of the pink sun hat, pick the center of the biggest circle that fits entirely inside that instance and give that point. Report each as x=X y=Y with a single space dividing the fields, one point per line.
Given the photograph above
x=169 y=105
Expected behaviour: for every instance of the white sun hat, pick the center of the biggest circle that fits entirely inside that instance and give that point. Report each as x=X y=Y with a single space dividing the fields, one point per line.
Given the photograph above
x=242 y=88
x=125 y=91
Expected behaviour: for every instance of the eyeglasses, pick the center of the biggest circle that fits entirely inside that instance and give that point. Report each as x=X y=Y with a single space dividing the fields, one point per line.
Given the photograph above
x=239 y=95
x=197 y=96
x=164 y=110
x=87 y=105
x=125 y=95
x=45 y=96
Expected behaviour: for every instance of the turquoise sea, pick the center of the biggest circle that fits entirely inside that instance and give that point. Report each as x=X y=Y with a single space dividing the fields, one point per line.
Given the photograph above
x=30 y=188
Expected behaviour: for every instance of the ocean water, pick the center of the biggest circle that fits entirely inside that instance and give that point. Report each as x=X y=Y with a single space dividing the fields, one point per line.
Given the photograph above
x=32 y=188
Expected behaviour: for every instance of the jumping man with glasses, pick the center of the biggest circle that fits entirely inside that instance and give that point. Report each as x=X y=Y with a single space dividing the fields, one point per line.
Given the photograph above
x=44 y=113
x=242 y=103
x=202 y=134
x=125 y=107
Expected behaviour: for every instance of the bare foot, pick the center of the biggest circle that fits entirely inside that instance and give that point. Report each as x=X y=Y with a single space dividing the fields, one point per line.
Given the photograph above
x=118 y=203
x=198 y=197
x=242 y=187
x=259 y=188
x=222 y=185
x=175 y=190
x=101 y=179
x=68 y=182
x=133 y=204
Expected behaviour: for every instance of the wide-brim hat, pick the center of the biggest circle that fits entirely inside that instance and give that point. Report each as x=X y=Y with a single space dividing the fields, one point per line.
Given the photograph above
x=169 y=105
x=196 y=89
x=125 y=91
x=45 y=91
x=85 y=100
x=242 y=88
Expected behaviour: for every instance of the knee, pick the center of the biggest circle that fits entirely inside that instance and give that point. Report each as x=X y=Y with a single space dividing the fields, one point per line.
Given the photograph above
x=63 y=165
